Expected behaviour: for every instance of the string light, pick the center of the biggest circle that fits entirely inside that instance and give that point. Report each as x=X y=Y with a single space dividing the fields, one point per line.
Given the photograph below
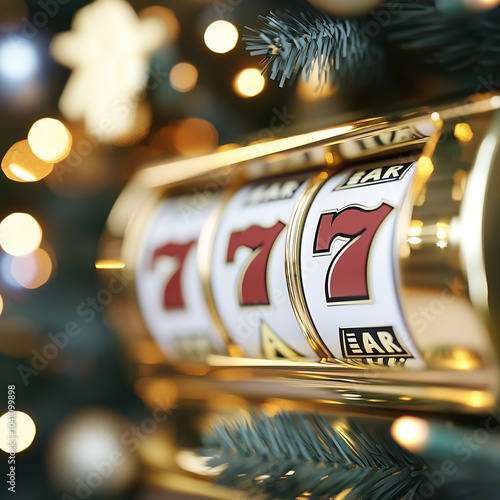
x=221 y=36
x=249 y=82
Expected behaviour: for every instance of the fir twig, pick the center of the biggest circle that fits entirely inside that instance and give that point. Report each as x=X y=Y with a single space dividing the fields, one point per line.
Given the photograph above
x=453 y=42
x=290 y=454
x=344 y=50
x=338 y=49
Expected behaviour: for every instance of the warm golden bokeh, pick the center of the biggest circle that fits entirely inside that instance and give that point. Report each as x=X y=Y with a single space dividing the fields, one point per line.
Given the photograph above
x=20 y=234
x=183 y=77
x=195 y=136
x=109 y=264
x=50 y=140
x=410 y=432
x=167 y=16
x=249 y=82
x=463 y=132
x=33 y=270
x=23 y=427
x=20 y=164
x=221 y=36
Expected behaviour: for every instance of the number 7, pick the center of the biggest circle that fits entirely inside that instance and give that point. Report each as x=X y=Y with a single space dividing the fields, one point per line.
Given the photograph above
x=252 y=281
x=172 y=297
x=347 y=276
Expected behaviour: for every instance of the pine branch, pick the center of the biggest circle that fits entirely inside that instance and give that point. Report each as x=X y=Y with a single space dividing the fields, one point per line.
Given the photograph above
x=290 y=454
x=338 y=49
x=344 y=51
x=453 y=42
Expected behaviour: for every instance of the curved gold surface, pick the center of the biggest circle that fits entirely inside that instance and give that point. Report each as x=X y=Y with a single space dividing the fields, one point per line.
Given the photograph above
x=440 y=283
x=444 y=291
x=205 y=246
x=292 y=265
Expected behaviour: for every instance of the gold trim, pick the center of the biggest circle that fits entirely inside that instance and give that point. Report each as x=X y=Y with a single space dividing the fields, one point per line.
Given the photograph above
x=292 y=264
x=472 y=216
x=204 y=259
x=434 y=391
x=178 y=482
x=337 y=385
x=131 y=232
x=185 y=170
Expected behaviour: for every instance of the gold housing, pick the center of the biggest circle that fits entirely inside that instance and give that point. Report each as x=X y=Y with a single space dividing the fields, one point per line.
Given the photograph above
x=449 y=289
x=450 y=276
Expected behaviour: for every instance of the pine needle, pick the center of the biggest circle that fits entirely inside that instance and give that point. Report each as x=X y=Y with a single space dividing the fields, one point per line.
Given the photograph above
x=291 y=454
x=460 y=42
x=310 y=41
x=343 y=50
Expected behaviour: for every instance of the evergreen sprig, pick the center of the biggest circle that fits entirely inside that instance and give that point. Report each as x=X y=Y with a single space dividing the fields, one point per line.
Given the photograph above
x=345 y=50
x=290 y=454
x=455 y=42
x=338 y=49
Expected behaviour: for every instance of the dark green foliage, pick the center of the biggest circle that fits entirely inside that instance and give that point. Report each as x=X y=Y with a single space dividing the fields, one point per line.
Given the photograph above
x=352 y=50
x=454 y=42
x=311 y=41
x=259 y=456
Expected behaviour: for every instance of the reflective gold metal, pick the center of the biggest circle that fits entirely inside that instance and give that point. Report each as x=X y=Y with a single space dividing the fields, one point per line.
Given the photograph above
x=448 y=258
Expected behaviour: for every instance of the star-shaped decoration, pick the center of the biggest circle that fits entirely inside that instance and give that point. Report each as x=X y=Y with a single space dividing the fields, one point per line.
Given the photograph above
x=108 y=49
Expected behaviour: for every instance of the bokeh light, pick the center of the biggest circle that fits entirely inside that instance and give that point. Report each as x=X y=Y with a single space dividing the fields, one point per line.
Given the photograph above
x=221 y=36
x=479 y=5
x=5 y=273
x=1 y=305
x=20 y=164
x=183 y=77
x=315 y=88
x=24 y=428
x=109 y=264
x=33 y=270
x=410 y=432
x=19 y=59
x=195 y=136
x=50 y=140
x=167 y=16
x=249 y=82
x=463 y=132
x=20 y=234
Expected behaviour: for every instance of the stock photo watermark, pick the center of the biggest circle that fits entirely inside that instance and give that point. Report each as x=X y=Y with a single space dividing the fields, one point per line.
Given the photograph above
x=86 y=311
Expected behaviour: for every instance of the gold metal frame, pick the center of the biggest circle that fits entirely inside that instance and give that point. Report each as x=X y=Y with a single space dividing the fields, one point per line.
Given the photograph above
x=378 y=389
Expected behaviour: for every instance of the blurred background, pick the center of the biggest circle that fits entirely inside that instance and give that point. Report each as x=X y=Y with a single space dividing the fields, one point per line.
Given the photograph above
x=88 y=92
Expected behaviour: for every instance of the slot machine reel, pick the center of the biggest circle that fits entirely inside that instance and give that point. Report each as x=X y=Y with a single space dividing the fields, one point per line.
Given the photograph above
x=293 y=269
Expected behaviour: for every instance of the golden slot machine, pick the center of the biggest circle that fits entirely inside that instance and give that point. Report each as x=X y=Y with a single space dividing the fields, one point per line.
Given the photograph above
x=321 y=310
